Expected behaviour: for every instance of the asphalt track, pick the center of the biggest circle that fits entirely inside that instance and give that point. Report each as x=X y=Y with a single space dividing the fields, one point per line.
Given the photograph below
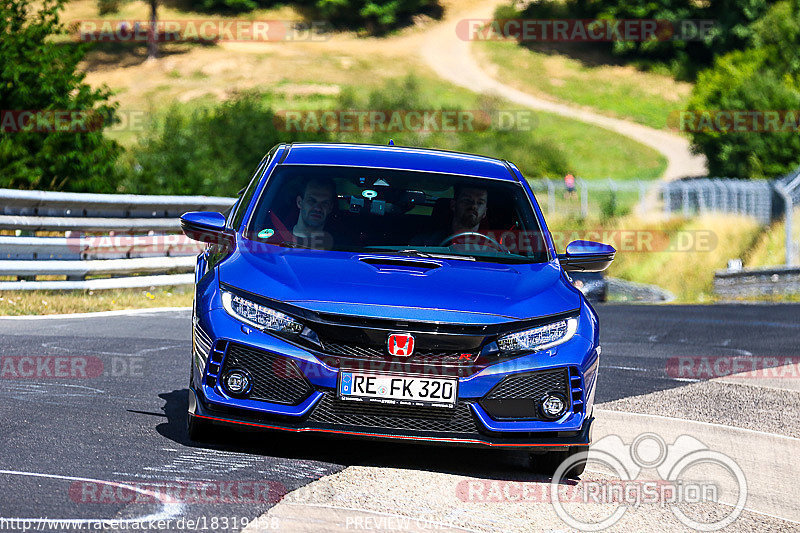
x=69 y=442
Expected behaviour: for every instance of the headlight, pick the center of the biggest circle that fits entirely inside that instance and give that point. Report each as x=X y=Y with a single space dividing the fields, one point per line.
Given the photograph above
x=539 y=338
x=259 y=316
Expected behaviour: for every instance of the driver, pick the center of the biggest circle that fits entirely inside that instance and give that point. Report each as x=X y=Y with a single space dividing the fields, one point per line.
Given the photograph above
x=315 y=205
x=468 y=208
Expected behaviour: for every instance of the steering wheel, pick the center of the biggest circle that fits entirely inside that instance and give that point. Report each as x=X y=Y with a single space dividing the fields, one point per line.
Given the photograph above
x=496 y=245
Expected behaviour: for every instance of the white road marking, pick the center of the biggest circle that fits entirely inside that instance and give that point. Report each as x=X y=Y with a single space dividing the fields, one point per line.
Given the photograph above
x=168 y=509
x=55 y=346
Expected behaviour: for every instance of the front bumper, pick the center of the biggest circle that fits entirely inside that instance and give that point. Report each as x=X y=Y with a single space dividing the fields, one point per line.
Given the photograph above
x=539 y=441
x=317 y=410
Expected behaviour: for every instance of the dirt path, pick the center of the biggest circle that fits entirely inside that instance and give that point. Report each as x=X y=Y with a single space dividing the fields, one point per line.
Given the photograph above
x=451 y=58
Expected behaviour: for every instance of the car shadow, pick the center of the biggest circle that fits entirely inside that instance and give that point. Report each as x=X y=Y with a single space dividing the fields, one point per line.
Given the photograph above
x=471 y=462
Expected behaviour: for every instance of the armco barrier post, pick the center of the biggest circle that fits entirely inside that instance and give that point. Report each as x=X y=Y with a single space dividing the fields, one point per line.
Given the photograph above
x=788 y=208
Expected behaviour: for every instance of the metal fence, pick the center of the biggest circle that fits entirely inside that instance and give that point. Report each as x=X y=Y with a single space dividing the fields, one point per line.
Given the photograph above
x=764 y=200
x=788 y=187
x=684 y=197
x=133 y=239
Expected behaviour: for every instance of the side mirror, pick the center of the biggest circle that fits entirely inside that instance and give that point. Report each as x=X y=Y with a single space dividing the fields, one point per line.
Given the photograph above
x=206 y=226
x=587 y=256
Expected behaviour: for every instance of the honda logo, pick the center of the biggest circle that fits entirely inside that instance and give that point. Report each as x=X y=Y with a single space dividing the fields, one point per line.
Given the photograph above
x=401 y=344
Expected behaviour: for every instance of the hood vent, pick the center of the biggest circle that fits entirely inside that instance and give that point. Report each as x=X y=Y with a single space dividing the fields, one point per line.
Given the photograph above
x=414 y=266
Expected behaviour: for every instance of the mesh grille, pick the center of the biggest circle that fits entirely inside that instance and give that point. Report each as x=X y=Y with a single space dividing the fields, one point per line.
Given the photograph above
x=517 y=397
x=419 y=356
x=275 y=379
x=531 y=386
x=329 y=410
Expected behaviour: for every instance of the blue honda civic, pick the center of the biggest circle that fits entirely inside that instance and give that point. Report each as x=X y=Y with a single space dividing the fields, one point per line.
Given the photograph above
x=387 y=292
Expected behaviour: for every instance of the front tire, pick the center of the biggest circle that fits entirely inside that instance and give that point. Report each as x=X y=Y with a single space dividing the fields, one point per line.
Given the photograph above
x=547 y=463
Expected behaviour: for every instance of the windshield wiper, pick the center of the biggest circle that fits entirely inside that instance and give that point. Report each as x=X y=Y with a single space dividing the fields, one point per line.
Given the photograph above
x=431 y=255
x=292 y=244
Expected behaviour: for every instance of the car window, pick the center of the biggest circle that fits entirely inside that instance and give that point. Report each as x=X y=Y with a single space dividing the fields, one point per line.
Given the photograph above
x=240 y=207
x=399 y=212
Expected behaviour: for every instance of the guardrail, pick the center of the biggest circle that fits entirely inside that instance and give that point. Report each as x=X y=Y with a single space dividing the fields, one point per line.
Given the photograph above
x=754 y=282
x=128 y=235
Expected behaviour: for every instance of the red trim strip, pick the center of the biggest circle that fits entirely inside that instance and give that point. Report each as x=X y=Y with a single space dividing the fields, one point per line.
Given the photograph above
x=402 y=437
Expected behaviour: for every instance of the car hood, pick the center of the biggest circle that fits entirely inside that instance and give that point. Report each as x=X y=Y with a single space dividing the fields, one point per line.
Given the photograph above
x=431 y=290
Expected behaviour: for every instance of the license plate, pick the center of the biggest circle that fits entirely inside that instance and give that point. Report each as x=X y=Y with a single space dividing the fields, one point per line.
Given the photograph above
x=398 y=389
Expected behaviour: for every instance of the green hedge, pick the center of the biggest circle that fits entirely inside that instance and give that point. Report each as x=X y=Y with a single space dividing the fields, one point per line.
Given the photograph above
x=765 y=77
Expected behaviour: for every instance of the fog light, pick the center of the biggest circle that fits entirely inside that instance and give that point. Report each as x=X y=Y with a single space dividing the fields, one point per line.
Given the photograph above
x=553 y=405
x=237 y=382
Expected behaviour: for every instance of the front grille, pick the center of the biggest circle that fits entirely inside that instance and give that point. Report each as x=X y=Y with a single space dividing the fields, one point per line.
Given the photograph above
x=576 y=386
x=276 y=379
x=533 y=385
x=419 y=356
x=330 y=410
x=518 y=396
x=202 y=342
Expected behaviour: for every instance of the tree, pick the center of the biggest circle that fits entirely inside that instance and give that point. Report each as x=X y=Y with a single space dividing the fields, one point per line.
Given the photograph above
x=40 y=87
x=764 y=78
x=686 y=44
x=152 y=35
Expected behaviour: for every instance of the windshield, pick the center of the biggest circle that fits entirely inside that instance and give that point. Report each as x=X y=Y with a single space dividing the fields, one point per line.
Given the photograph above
x=399 y=212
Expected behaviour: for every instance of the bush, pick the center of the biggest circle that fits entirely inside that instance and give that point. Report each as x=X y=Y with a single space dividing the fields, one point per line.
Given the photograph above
x=108 y=7
x=228 y=6
x=732 y=29
x=375 y=16
x=763 y=78
x=39 y=74
x=535 y=157
x=211 y=151
x=214 y=151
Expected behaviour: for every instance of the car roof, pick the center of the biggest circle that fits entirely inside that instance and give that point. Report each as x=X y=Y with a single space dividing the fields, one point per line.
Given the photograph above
x=397 y=157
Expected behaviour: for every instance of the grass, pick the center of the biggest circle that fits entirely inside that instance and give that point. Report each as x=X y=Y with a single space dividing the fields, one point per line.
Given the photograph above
x=677 y=254
x=620 y=91
x=770 y=250
x=591 y=152
x=686 y=254
x=14 y=303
